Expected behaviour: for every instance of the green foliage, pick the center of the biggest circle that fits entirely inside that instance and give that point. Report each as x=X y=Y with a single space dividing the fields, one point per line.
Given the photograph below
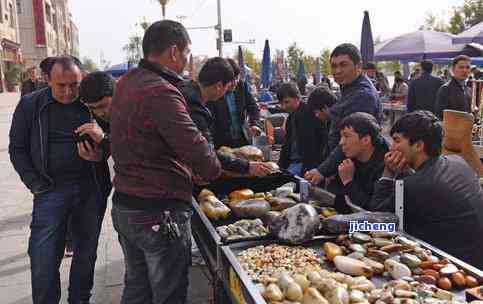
x=250 y=60
x=461 y=18
x=294 y=55
x=89 y=65
x=389 y=67
x=325 y=61
x=434 y=23
x=13 y=73
x=134 y=47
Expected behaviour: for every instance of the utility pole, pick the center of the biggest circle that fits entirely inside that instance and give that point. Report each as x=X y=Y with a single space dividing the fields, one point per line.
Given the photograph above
x=220 y=30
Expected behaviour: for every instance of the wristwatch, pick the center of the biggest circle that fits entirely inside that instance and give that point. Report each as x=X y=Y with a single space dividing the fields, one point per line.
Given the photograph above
x=106 y=139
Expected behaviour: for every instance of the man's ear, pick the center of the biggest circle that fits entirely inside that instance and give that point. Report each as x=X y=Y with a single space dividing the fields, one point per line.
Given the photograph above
x=366 y=139
x=419 y=146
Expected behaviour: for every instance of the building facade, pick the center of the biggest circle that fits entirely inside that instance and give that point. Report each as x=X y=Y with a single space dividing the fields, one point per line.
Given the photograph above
x=45 y=28
x=10 y=54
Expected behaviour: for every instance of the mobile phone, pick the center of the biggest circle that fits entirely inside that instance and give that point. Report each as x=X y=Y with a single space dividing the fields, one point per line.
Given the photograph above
x=84 y=137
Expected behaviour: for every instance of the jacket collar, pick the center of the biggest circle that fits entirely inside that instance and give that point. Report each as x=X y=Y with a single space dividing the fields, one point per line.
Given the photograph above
x=357 y=82
x=162 y=71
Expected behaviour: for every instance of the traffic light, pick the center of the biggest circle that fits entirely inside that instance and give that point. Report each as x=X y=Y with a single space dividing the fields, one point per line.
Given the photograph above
x=227 y=36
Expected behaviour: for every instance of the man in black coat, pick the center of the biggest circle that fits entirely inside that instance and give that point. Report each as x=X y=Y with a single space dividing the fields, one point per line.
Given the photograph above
x=306 y=136
x=33 y=83
x=213 y=81
x=232 y=111
x=455 y=94
x=364 y=149
x=443 y=199
x=423 y=90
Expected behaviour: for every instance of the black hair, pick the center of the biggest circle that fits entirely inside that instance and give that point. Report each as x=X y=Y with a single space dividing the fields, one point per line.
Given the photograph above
x=460 y=58
x=46 y=65
x=96 y=86
x=347 y=49
x=234 y=66
x=363 y=124
x=397 y=73
x=66 y=62
x=214 y=70
x=421 y=126
x=288 y=89
x=163 y=34
x=321 y=97
x=427 y=66
x=370 y=66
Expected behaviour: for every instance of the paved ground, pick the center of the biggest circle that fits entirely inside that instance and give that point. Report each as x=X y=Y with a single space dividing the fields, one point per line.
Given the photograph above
x=15 y=216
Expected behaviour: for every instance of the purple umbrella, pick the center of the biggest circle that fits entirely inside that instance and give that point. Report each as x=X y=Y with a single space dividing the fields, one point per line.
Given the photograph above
x=473 y=34
x=419 y=45
x=367 y=43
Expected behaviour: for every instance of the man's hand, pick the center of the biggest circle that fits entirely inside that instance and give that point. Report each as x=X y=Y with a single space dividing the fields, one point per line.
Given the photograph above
x=88 y=152
x=259 y=169
x=93 y=130
x=255 y=131
x=394 y=163
x=347 y=170
x=313 y=176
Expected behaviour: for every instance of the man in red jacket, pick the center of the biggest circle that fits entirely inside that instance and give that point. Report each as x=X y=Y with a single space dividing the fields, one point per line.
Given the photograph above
x=157 y=149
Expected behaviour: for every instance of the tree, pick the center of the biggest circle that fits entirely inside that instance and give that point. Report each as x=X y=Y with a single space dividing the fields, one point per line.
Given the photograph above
x=390 y=67
x=251 y=61
x=433 y=22
x=294 y=55
x=461 y=18
x=134 y=47
x=325 y=61
x=309 y=64
x=89 y=65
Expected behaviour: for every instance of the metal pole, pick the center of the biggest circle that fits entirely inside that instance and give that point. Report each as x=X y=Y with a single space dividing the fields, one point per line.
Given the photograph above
x=220 y=31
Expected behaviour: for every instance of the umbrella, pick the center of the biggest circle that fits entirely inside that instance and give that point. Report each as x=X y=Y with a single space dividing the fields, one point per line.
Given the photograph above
x=473 y=34
x=419 y=45
x=446 y=61
x=318 y=76
x=266 y=69
x=120 y=69
x=241 y=63
x=301 y=71
x=367 y=43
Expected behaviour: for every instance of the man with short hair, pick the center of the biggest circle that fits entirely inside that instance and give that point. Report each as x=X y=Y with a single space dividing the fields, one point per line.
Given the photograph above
x=305 y=142
x=358 y=95
x=378 y=78
x=215 y=78
x=59 y=169
x=157 y=149
x=230 y=114
x=423 y=90
x=32 y=84
x=443 y=198
x=455 y=94
x=364 y=149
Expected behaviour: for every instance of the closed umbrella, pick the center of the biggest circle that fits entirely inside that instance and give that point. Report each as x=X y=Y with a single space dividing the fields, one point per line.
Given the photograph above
x=367 y=43
x=301 y=78
x=266 y=66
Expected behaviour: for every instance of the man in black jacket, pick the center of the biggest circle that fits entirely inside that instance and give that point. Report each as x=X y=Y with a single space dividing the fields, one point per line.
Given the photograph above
x=61 y=173
x=232 y=111
x=32 y=84
x=423 y=90
x=443 y=199
x=364 y=149
x=306 y=137
x=455 y=94
x=213 y=81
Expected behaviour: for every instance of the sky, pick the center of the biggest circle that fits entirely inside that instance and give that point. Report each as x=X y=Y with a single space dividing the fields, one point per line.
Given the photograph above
x=105 y=25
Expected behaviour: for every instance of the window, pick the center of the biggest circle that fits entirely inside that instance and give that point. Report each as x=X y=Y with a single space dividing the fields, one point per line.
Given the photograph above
x=19 y=7
x=1 y=11
x=12 y=18
x=54 y=18
x=47 y=13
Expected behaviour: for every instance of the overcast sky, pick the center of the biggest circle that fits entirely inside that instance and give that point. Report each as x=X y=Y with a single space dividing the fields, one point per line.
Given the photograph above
x=105 y=25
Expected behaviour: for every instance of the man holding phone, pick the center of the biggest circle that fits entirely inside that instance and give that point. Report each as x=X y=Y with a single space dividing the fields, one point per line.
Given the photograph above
x=58 y=168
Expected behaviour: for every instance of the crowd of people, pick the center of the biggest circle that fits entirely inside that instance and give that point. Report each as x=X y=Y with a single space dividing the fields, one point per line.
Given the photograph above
x=163 y=133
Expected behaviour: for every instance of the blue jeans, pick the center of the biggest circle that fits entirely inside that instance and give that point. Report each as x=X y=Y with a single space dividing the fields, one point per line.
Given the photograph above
x=295 y=168
x=156 y=267
x=51 y=211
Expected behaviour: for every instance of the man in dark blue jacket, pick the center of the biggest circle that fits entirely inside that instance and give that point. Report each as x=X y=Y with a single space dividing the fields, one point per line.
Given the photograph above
x=60 y=170
x=358 y=95
x=423 y=90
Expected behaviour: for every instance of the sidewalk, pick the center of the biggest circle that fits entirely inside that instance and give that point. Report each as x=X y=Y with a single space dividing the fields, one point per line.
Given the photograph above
x=16 y=206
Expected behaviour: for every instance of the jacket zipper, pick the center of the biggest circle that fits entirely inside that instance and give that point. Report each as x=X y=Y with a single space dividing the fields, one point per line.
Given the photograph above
x=42 y=145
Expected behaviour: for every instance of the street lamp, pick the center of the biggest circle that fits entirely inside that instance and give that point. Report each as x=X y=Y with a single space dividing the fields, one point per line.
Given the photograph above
x=163 y=7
